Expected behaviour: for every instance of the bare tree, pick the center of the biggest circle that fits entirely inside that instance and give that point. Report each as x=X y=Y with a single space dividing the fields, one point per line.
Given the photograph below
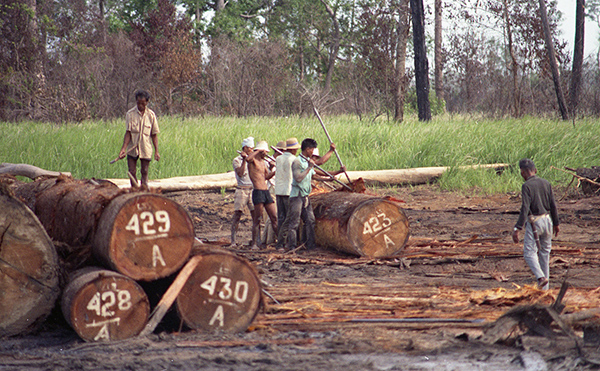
x=401 y=79
x=577 y=56
x=552 y=61
x=421 y=63
x=438 y=56
x=335 y=44
x=514 y=65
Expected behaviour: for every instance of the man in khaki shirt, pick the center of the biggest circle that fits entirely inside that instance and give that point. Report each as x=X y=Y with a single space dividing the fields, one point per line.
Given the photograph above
x=142 y=129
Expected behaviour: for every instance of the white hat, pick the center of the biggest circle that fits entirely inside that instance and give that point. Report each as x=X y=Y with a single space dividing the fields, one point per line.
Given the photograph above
x=262 y=145
x=316 y=152
x=248 y=142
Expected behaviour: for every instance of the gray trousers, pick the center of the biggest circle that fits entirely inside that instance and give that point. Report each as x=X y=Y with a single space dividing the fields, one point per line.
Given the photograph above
x=300 y=208
x=538 y=260
x=283 y=205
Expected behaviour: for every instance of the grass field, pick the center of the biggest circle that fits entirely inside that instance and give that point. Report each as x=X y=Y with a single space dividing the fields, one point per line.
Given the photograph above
x=194 y=146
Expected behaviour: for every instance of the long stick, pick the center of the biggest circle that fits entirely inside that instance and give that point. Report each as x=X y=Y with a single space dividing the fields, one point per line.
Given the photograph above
x=269 y=157
x=169 y=297
x=330 y=141
x=318 y=167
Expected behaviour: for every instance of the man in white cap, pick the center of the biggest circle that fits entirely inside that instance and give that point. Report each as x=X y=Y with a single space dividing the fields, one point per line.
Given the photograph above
x=283 y=186
x=261 y=197
x=243 y=190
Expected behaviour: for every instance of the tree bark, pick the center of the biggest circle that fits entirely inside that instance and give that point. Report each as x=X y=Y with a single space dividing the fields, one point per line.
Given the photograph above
x=29 y=270
x=439 y=58
x=514 y=66
x=400 y=71
x=29 y=171
x=359 y=224
x=421 y=63
x=223 y=294
x=552 y=61
x=577 y=56
x=102 y=305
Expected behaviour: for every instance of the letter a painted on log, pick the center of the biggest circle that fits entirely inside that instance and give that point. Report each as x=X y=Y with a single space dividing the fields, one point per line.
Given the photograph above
x=103 y=333
x=157 y=256
x=388 y=241
x=218 y=316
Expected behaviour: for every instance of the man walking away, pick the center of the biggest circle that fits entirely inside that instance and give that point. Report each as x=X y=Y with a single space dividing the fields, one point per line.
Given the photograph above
x=540 y=218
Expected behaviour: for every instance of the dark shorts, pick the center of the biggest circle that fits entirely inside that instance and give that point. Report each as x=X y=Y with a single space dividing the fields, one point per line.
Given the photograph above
x=261 y=196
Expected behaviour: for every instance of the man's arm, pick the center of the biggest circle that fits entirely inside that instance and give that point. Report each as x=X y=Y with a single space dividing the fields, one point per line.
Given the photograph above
x=155 y=143
x=326 y=156
x=323 y=177
x=297 y=172
x=126 y=140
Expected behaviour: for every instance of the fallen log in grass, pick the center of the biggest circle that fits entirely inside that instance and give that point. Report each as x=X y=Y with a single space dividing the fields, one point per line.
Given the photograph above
x=227 y=180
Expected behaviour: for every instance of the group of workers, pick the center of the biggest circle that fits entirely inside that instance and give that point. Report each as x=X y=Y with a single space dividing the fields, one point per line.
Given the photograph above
x=293 y=175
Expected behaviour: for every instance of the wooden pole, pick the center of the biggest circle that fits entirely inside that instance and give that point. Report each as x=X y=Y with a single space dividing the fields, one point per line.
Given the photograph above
x=330 y=141
x=170 y=295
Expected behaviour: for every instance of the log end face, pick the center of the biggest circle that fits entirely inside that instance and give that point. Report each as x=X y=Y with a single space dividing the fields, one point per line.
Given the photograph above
x=223 y=294
x=144 y=236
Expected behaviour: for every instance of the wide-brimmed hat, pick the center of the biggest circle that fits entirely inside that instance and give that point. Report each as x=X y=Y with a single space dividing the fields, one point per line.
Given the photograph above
x=292 y=143
x=248 y=142
x=262 y=146
x=316 y=152
x=281 y=145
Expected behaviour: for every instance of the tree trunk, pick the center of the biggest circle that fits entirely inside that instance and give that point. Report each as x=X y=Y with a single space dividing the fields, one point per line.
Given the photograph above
x=220 y=5
x=102 y=305
x=552 y=61
x=359 y=224
x=400 y=70
x=335 y=46
x=29 y=171
x=514 y=69
x=223 y=294
x=421 y=63
x=29 y=270
x=144 y=236
x=439 y=58
x=577 y=56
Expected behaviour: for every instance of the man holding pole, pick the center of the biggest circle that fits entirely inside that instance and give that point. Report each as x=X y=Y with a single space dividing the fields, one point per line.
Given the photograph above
x=261 y=197
x=283 y=186
x=299 y=204
x=243 y=190
x=539 y=215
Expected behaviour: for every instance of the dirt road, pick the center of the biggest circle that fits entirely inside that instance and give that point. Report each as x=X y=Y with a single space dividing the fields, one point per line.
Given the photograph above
x=459 y=268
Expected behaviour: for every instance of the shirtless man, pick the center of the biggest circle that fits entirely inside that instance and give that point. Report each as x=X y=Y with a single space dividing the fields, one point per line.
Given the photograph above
x=261 y=197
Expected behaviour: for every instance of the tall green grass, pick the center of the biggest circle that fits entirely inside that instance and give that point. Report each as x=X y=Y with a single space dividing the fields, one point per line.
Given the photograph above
x=194 y=146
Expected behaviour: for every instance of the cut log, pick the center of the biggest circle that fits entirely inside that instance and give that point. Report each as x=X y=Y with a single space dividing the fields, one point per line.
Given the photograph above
x=144 y=236
x=227 y=180
x=29 y=171
x=223 y=294
x=359 y=224
x=29 y=269
x=102 y=305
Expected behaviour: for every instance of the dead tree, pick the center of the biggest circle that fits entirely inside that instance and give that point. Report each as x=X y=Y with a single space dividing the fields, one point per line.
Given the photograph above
x=359 y=224
x=577 y=56
x=421 y=63
x=552 y=61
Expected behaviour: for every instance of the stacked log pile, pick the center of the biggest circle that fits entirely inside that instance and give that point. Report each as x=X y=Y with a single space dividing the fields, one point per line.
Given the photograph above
x=135 y=237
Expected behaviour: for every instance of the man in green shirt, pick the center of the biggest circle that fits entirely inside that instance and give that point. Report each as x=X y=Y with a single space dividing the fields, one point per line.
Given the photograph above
x=299 y=204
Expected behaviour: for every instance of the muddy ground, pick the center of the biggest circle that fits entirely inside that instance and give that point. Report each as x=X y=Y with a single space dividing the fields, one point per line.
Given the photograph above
x=435 y=217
